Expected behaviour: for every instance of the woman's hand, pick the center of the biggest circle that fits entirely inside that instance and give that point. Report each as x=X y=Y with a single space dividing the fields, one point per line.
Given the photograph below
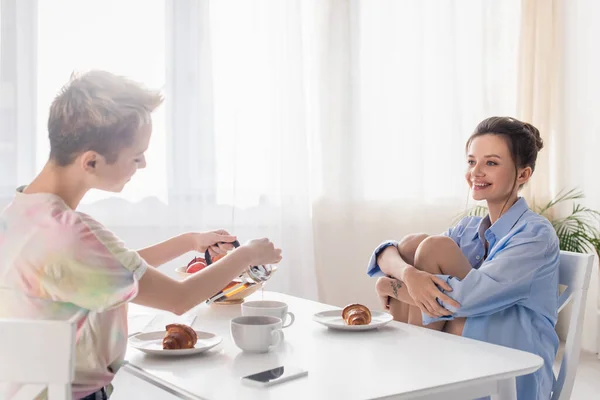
x=262 y=251
x=216 y=242
x=424 y=292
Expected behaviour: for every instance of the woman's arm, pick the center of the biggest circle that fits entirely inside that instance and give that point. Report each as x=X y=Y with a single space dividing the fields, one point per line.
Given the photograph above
x=506 y=279
x=160 y=291
x=396 y=261
x=168 y=250
x=216 y=242
x=392 y=287
x=418 y=285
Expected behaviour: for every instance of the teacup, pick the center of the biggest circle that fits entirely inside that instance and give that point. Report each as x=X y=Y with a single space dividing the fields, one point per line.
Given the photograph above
x=270 y=308
x=256 y=333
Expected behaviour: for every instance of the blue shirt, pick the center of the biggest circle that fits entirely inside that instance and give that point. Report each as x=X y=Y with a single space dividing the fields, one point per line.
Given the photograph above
x=510 y=297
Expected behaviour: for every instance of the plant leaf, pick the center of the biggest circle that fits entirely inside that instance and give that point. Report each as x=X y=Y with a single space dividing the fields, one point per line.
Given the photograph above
x=561 y=197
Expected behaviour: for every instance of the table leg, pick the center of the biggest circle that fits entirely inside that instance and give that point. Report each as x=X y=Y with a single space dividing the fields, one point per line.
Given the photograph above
x=507 y=390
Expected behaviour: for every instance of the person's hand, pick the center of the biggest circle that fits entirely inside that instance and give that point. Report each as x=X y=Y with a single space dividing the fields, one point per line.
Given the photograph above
x=216 y=242
x=262 y=251
x=422 y=288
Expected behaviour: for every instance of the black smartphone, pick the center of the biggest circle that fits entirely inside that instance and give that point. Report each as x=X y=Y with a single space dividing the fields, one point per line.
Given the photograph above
x=274 y=376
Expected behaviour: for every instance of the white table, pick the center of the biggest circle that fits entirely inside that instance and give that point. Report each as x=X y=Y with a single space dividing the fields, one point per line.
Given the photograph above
x=397 y=361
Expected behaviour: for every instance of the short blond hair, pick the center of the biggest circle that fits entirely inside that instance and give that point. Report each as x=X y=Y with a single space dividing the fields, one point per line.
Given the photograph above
x=98 y=111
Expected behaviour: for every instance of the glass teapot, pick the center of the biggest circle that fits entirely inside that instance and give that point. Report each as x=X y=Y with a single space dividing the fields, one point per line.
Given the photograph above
x=245 y=284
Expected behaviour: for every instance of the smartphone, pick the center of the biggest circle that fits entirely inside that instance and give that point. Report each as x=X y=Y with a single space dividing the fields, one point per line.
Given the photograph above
x=274 y=376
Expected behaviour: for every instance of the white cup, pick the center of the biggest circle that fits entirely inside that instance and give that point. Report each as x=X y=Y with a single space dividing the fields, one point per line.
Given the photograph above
x=271 y=308
x=257 y=333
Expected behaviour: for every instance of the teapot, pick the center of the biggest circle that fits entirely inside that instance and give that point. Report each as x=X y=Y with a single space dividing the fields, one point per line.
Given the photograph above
x=247 y=283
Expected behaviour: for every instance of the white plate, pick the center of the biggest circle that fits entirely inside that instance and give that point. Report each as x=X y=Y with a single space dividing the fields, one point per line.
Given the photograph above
x=333 y=319
x=151 y=343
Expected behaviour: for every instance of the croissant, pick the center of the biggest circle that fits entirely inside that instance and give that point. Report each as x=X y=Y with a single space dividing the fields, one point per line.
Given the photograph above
x=179 y=336
x=356 y=314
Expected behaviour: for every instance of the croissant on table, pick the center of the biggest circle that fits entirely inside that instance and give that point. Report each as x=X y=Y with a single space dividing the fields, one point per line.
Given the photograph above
x=179 y=336
x=356 y=314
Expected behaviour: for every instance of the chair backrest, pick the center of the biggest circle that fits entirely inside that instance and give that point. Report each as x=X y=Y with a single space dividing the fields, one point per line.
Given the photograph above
x=575 y=272
x=38 y=354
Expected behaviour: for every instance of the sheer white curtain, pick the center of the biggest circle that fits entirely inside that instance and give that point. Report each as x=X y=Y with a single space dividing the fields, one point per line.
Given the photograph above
x=325 y=125
x=17 y=93
x=407 y=83
x=230 y=148
x=239 y=153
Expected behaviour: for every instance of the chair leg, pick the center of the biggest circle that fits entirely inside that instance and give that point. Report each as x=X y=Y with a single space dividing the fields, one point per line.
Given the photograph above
x=59 y=391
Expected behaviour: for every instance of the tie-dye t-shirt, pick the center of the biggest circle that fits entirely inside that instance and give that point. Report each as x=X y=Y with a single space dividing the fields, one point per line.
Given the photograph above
x=57 y=263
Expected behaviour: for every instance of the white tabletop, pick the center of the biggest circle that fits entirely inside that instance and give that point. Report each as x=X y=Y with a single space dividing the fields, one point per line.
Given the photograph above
x=397 y=360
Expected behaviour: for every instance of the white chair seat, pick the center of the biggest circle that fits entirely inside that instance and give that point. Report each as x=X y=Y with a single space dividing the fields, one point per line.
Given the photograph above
x=37 y=355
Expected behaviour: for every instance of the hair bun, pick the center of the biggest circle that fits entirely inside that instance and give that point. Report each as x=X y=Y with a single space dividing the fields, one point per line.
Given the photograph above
x=539 y=143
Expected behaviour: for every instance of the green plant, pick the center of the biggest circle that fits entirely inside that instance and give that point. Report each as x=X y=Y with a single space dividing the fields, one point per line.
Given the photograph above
x=576 y=232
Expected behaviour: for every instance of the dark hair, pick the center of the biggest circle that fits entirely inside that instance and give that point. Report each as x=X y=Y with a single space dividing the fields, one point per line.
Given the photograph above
x=523 y=139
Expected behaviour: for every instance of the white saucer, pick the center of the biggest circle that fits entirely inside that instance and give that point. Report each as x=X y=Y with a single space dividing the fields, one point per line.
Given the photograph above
x=151 y=343
x=333 y=319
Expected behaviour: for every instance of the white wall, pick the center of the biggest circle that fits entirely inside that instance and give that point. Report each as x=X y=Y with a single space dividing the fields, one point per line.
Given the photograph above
x=346 y=236
x=580 y=149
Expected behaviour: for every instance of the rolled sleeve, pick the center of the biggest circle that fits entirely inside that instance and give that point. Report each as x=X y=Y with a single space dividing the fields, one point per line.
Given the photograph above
x=373 y=269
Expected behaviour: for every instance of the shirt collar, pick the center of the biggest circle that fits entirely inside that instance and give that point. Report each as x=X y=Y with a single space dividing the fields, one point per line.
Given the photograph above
x=505 y=223
x=483 y=226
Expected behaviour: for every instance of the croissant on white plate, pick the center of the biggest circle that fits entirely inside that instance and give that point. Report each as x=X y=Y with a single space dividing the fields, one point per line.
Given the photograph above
x=356 y=314
x=179 y=336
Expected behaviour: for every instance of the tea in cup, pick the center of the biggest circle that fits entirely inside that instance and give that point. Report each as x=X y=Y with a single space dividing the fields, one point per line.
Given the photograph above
x=269 y=308
x=256 y=333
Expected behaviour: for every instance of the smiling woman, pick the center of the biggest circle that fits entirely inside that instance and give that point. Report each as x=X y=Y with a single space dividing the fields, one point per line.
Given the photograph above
x=494 y=278
x=501 y=155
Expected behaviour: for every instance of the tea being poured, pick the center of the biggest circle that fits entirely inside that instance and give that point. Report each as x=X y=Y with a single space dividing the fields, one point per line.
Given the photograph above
x=254 y=275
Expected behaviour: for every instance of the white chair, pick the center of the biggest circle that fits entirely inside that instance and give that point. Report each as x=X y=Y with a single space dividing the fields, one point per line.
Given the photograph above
x=575 y=270
x=36 y=355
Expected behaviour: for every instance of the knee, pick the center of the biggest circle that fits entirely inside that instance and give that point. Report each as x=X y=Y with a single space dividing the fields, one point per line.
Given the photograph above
x=432 y=243
x=409 y=244
x=432 y=247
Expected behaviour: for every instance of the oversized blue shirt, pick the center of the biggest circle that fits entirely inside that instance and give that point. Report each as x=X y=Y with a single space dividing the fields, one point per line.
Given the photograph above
x=510 y=297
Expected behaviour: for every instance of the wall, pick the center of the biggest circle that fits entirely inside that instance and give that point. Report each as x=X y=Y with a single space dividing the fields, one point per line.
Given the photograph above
x=581 y=126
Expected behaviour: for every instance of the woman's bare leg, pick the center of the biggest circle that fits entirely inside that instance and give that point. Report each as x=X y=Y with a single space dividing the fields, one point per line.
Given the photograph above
x=436 y=255
x=440 y=255
x=399 y=310
x=399 y=303
x=455 y=326
x=415 y=317
x=387 y=290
